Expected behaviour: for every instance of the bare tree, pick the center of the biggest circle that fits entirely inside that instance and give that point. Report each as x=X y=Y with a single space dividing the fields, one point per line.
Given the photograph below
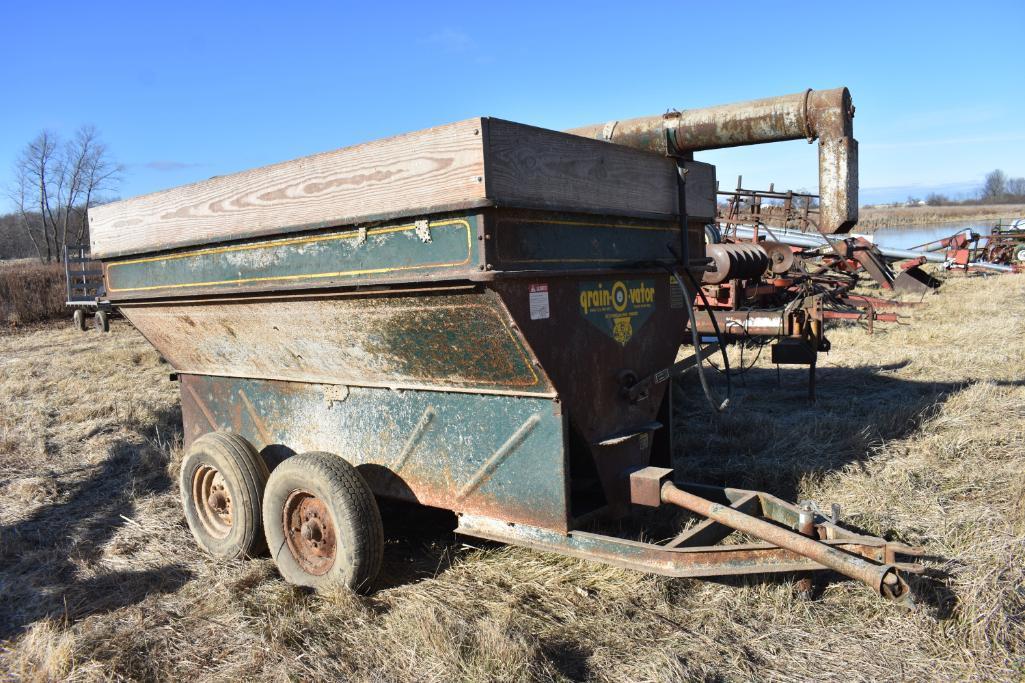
x=55 y=184
x=1016 y=187
x=31 y=194
x=995 y=185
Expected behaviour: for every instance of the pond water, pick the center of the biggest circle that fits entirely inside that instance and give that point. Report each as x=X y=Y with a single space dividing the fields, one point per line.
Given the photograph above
x=908 y=236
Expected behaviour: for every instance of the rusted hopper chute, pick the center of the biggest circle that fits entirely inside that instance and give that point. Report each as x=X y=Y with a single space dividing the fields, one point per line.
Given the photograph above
x=823 y=115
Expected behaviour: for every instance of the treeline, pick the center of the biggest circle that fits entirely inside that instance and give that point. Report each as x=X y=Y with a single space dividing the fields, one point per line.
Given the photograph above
x=14 y=241
x=17 y=230
x=998 y=188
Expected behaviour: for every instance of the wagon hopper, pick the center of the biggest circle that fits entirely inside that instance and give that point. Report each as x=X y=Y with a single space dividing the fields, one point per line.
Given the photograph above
x=481 y=317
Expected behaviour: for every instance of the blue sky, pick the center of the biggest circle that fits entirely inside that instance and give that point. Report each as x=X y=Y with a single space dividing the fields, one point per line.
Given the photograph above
x=182 y=91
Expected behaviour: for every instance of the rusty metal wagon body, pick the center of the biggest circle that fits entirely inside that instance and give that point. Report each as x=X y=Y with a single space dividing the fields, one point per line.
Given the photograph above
x=482 y=317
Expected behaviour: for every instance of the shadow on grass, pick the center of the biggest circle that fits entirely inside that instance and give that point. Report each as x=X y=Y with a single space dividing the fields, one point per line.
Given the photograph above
x=46 y=559
x=419 y=541
x=774 y=436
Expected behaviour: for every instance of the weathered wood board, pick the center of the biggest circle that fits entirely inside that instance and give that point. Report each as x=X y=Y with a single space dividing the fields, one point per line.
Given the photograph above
x=473 y=163
x=528 y=167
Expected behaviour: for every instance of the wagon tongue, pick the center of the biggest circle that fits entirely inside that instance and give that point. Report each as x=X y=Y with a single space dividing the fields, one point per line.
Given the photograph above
x=785 y=527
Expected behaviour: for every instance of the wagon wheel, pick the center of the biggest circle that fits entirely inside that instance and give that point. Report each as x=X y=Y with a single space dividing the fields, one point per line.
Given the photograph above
x=1020 y=253
x=79 y=319
x=101 y=321
x=322 y=523
x=222 y=482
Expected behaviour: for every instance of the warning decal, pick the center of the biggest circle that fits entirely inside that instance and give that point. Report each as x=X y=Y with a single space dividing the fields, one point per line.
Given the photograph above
x=539 y=302
x=675 y=294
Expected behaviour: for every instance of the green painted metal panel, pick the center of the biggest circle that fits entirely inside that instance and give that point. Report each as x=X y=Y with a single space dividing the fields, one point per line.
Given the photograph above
x=452 y=338
x=568 y=242
x=347 y=255
x=501 y=456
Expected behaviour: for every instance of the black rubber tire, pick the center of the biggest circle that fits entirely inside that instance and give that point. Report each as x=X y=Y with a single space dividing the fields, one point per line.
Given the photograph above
x=79 y=320
x=713 y=235
x=359 y=533
x=245 y=476
x=102 y=321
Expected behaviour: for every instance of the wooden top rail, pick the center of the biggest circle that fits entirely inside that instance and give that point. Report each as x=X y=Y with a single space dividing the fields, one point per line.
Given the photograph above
x=474 y=163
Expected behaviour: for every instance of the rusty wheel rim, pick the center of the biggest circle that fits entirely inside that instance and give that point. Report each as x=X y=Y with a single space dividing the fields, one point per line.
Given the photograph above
x=213 y=501
x=309 y=532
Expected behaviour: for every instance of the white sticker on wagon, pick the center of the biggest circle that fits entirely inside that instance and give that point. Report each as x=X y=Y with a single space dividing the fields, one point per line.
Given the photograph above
x=539 y=302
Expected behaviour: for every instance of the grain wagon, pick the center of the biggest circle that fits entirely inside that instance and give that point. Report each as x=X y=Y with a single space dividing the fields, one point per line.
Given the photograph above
x=482 y=317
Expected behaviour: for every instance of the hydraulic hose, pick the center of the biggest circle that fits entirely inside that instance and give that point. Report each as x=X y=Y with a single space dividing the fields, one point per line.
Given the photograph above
x=717 y=406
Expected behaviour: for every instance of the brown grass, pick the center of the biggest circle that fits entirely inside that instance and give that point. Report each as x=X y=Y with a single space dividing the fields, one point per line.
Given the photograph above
x=885 y=216
x=31 y=291
x=919 y=432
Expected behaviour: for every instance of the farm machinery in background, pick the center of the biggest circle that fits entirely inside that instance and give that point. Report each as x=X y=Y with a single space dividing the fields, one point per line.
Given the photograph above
x=792 y=219
x=781 y=285
x=1002 y=250
x=774 y=277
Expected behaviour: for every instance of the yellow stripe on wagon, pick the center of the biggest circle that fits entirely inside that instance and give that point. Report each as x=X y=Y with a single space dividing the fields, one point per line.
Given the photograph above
x=293 y=241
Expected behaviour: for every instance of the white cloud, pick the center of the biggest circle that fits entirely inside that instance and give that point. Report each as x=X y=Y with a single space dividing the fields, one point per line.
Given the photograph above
x=451 y=40
x=169 y=165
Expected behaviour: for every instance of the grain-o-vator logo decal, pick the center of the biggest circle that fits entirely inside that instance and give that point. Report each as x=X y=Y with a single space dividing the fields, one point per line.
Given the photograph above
x=617 y=307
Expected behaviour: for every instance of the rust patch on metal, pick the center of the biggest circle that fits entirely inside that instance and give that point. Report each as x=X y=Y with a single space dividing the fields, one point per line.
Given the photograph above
x=261 y=428
x=202 y=406
x=883 y=579
x=459 y=342
x=826 y=115
x=213 y=501
x=309 y=532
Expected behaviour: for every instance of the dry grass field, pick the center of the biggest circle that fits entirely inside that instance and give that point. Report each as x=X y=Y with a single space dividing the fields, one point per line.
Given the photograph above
x=870 y=219
x=31 y=291
x=919 y=433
